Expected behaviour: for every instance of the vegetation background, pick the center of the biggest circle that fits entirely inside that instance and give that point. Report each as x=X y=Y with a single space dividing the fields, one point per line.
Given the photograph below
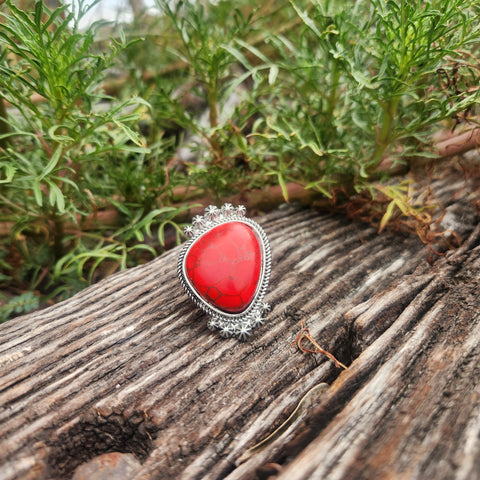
x=110 y=134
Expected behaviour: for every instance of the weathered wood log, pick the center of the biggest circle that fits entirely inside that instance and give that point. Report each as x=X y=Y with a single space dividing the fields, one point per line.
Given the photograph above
x=128 y=365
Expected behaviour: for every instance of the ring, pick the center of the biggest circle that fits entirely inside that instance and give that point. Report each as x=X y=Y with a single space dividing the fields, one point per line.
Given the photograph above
x=225 y=268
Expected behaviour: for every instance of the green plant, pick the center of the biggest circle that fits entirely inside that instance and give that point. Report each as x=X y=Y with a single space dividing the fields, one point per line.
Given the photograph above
x=66 y=162
x=199 y=38
x=335 y=101
x=366 y=86
x=330 y=95
x=23 y=303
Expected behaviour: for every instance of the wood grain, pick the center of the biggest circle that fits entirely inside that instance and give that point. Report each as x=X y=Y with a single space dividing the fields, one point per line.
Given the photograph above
x=128 y=365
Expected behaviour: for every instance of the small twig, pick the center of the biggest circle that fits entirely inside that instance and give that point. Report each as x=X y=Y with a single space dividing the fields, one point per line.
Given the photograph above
x=312 y=397
x=305 y=334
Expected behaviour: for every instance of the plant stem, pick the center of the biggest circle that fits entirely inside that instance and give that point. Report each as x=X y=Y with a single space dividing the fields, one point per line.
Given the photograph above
x=213 y=118
x=212 y=106
x=58 y=234
x=333 y=95
x=385 y=135
x=4 y=126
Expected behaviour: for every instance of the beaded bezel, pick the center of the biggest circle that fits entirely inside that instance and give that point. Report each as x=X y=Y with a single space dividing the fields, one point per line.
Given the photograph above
x=241 y=324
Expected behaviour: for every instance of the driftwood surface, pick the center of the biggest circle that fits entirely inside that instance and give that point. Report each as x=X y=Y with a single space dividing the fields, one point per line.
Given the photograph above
x=129 y=365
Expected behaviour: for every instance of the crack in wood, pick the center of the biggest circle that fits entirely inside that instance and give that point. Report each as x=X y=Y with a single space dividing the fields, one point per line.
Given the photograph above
x=134 y=349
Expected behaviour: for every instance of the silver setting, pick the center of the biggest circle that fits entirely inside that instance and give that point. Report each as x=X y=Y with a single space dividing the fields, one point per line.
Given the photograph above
x=230 y=325
x=188 y=230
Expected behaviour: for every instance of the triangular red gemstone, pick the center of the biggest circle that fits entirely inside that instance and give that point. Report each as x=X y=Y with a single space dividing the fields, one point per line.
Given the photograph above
x=224 y=266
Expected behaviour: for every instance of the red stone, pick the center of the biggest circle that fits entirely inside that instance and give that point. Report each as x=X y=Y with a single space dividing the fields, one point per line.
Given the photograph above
x=224 y=266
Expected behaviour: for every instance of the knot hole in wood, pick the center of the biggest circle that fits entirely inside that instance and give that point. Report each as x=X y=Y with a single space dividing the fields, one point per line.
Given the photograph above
x=95 y=435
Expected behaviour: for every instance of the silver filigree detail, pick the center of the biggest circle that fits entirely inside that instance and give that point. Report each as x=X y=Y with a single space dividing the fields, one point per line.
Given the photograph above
x=266 y=307
x=257 y=319
x=211 y=212
x=188 y=231
x=228 y=209
x=243 y=331
x=241 y=210
x=198 y=221
x=213 y=324
x=228 y=331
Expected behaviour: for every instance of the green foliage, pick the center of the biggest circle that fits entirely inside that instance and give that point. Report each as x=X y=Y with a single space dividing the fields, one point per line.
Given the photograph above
x=324 y=93
x=24 y=303
x=366 y=85
x=334 y=88
x=199 y=37
x=65 y=158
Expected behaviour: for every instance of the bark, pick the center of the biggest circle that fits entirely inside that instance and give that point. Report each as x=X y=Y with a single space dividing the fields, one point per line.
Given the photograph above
x=129 y=366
